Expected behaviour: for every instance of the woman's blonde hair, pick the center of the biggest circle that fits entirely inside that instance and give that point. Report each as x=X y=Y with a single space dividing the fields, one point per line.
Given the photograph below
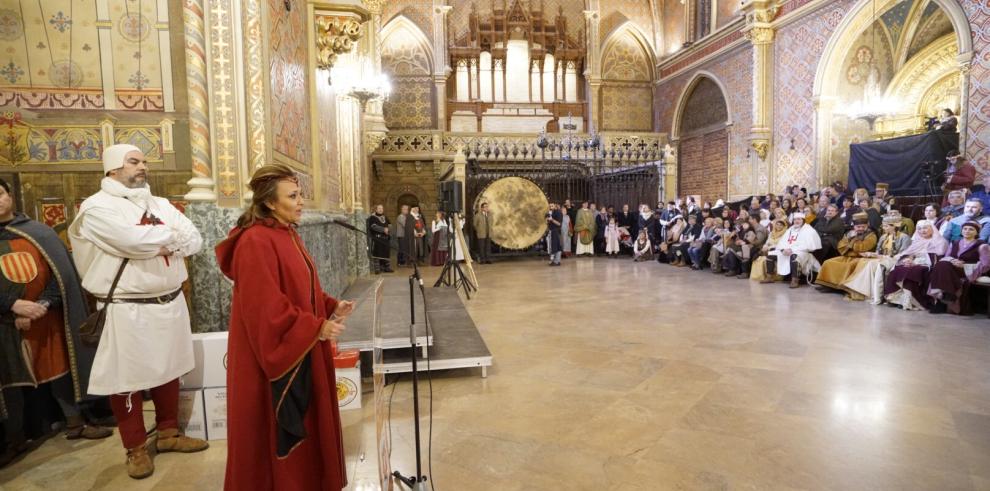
x=264 y=185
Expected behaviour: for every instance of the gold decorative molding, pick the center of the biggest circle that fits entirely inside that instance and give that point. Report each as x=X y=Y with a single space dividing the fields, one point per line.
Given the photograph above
x=374 y=6
x=761 y=35
x=762 y=148
x=335 y=36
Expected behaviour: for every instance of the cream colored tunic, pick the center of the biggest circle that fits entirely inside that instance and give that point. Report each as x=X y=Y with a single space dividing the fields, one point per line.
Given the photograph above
x=143 y=345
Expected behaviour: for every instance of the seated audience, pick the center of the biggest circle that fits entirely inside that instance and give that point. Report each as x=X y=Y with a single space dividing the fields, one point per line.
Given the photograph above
x=972 y=212
x=698 y=251
x=874 y=219
x=671 y=236
x=830 y=228
x=866 y=281
x=738 y=255
x=858 y=241
x=982 y=191
x=642 y=248
x=759 y=271
x=907 y=283
x=881 y=195
x=792 y=255
x=954 y=207
x=950 y=276
x=678 y=253
x=847 y=211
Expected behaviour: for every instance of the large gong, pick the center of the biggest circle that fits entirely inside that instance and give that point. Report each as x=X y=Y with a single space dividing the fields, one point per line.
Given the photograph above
x=519 y=210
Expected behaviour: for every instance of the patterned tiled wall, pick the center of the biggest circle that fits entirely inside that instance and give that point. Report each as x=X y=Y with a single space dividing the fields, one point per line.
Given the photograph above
x=290 y=120
x=410 y=106
x=799 y=48
x=616 y=12
x=734 y=71
x=979 y=80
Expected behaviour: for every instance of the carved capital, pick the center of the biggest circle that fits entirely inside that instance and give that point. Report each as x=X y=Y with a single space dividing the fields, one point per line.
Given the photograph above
x=762 y=148
x=760 y=35
x=335 y=36
x=373 y=140
x=442 y=10
x=374 y=6
x=964 y=68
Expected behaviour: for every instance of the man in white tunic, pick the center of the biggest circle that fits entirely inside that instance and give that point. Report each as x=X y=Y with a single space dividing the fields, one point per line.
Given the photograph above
x=794 y=250
x=146 y=342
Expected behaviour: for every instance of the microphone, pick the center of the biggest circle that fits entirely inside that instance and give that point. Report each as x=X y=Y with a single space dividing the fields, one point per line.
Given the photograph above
x=346 y=225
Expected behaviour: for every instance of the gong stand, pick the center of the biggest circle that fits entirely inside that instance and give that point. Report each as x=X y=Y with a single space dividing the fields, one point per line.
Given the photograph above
x=568 y=169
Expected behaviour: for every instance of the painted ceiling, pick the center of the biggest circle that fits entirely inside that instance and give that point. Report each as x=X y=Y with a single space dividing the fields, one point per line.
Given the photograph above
x=56 y=44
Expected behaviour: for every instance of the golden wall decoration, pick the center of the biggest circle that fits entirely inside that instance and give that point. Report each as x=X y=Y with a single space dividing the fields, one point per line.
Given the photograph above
x=335 y=36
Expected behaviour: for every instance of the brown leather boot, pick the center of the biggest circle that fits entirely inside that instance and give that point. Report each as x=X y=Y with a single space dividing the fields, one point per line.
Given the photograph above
x=170 y=440
x=139 y=463
x=77 y=428
x=795 y=280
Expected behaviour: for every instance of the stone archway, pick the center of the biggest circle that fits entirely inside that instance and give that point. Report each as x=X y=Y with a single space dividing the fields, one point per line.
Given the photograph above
x=701 y=130
x=951 y=58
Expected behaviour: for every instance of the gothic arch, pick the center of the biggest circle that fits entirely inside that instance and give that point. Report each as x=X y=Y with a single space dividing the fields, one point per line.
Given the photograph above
x=701 y=131
x=407 y=57
x=618 y=37
x=626 y=70
x=826 y=87
x=682 y=100
x=402 y=35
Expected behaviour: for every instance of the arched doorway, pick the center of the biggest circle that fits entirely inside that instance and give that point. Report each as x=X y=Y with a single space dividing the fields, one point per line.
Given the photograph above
x=701 y=131
x=407 y=199
x=907 y=54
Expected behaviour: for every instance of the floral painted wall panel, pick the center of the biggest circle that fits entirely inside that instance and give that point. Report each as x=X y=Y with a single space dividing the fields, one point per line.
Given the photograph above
x=290 y=120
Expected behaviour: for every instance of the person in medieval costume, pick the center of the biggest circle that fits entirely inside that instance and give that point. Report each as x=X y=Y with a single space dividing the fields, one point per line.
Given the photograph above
x=966 y=260
x=41 y=309
x=439 y=242
x=400 y=234
x=907 y=283
x=566 y=231
x=859 y=241
x=793 y=253
x=123 y=231
x=866 y=281
x=283 y=421
x=584 y=228
x=378 y=241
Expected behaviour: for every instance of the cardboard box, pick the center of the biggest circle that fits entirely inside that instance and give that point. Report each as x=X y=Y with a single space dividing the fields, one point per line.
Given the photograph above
x=349 y=387
x=216 y=412
x=192 y=413
x=210 y=353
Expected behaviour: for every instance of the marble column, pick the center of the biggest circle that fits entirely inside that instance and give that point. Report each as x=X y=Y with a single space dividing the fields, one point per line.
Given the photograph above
x=201 y=185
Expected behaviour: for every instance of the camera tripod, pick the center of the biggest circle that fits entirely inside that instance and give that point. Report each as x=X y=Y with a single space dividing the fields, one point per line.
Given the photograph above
x=452 y=275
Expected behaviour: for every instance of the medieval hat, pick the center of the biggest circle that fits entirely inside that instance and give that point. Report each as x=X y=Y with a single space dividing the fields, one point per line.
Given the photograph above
x=893 y=217
x=113 y=156
x=883 y=185
x=861 y=218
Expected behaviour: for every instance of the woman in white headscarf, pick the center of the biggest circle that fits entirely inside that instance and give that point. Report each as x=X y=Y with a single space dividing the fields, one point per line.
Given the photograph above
x=907 y=283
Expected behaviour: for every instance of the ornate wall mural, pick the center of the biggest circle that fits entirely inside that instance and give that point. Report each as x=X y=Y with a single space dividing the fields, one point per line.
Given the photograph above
x=932 y=26
x=56 y=53
x=406 y=60
x=289 y=100
x=616 y=12
x=627 y=93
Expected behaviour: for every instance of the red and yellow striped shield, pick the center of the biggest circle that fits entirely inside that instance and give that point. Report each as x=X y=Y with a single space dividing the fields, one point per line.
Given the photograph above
x=18 y=267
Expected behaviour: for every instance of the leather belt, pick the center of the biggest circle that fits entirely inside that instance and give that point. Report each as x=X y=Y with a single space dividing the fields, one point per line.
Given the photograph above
x=162 y=300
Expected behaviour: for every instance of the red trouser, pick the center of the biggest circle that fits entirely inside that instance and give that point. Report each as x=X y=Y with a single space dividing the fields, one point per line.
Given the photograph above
x=130 y=417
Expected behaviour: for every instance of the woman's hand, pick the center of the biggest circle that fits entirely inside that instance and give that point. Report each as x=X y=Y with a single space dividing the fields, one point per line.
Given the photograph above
x=331 y=329
x=22 y=323
x=344 y=308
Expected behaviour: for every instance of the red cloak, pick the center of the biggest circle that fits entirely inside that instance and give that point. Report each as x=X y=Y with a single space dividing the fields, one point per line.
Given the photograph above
x=276 y=313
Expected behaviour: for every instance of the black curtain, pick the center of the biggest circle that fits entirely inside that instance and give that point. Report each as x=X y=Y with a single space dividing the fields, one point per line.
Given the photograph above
x=901 y=162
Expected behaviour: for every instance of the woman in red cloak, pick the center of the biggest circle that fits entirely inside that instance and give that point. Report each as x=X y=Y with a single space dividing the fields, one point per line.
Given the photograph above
x=283 y=422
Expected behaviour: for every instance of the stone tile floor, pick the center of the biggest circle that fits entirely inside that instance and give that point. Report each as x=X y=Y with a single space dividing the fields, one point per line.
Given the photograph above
x=616 y=375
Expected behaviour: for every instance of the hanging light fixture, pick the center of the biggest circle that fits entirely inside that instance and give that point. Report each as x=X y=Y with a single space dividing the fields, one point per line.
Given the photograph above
x=873 y=105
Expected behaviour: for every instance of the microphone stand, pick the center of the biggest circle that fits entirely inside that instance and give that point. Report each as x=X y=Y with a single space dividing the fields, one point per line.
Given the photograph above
x=416 y=482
